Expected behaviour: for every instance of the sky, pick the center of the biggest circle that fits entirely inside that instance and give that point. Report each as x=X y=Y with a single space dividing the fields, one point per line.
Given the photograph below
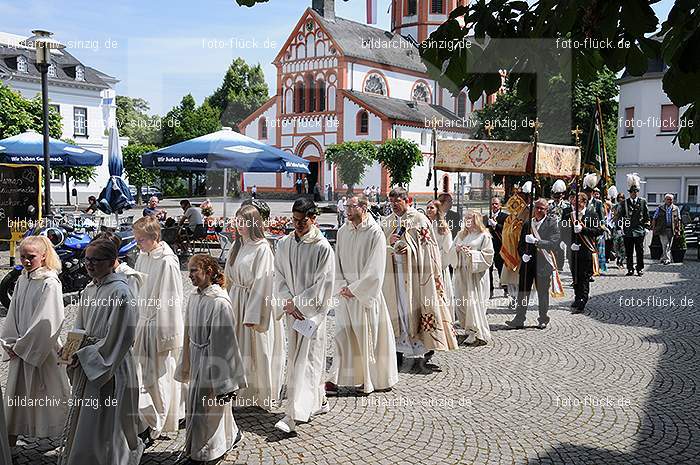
x=161 y=50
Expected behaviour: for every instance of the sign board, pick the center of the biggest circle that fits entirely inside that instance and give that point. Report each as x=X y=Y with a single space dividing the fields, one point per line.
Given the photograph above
x=20 y=189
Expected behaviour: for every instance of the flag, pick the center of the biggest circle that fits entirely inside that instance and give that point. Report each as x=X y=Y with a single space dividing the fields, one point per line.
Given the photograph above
x=371 y=11
x=596 y=158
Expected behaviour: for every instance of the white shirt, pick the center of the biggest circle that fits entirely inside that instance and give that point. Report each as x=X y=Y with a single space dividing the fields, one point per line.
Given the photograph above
x=536 y=224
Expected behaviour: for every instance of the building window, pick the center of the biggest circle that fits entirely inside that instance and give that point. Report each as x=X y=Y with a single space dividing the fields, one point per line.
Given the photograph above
x=411 y=8
x=299 y=97
x=55 y=108
x=423 y=138
x=22 y=66
x=421 y=93
x=669 y=118
x=692 y=194
x=375 y=84
x=629 y=121
x=262 y=129
x=52 y=70
x=651 y=197
x=321 y=87
x=55 y=177
x=80 y=122
x=362 y=122
x=437 y=7
x=462 y=105
x=79 y=73
x=312 y=93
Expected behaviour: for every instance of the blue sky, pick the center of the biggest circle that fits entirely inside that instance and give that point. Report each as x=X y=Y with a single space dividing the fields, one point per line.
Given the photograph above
x=163 y=49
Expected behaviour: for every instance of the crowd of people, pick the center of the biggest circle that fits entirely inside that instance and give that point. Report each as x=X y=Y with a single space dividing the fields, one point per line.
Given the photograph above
x=402 y=287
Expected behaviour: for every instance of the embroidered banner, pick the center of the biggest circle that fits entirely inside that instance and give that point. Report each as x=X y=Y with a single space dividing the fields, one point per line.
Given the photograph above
x=558 y=161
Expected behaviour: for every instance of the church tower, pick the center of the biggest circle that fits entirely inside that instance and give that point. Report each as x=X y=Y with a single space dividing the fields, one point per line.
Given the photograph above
x=418 y=18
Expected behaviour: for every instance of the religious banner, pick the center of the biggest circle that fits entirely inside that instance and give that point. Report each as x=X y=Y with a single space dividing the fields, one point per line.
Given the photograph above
x=558 y=161
x=482 y=156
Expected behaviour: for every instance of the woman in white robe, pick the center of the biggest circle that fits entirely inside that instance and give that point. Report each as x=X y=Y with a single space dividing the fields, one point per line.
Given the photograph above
x=304 y=275
x=249 y=273
x=443 y=237
x=135 y=278
x=159 y=331
x=471 y=256
x=103 y=419
x=211 y=364
x=37 y=387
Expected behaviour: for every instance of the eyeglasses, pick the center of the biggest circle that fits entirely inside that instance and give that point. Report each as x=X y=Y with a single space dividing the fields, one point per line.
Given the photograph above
x=92 y=260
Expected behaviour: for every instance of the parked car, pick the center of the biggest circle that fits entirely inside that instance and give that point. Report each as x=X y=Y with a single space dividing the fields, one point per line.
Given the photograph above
x=146 y=192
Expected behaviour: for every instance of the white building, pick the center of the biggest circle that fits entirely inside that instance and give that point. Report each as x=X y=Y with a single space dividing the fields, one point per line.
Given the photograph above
x=648 y=123
x=83 y=96
x=340 y=80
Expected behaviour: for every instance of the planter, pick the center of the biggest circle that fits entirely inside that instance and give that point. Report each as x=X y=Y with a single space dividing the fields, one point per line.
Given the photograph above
x=655 y=248
x=678 y=255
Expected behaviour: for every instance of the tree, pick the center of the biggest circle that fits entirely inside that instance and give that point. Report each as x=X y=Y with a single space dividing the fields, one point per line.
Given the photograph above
x=399 y=156
x=243 y=91
x=137 y=174
x=134 y=122
x=353 y=159
x=622 y=24
x=18 y=115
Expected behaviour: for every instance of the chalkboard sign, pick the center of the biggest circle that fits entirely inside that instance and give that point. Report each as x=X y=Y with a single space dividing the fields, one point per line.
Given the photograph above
x=20 y=188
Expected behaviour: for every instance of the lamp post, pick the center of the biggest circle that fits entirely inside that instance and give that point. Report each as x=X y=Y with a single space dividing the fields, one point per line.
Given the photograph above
x=43 y=43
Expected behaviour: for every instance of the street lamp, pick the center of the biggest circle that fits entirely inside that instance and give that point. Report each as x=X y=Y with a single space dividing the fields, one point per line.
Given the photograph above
x=43 y=43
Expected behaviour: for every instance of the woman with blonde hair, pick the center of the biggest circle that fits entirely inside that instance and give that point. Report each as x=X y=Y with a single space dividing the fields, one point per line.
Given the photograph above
x=159 y=331
x=443 y=237
x=211 y=363
x=471 y=256
x=30 y=337
x=250 y=276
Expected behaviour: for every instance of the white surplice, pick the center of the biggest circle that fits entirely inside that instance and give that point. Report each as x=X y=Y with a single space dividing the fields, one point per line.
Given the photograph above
x=211 y=364
x=251 y=281
x=365 y=349
x=5 y=451
x=103 y=422
x=444 y=242
x=32 y=329
x=471 y=282
x=304 y=273
x=159 y=339
x=134 y=278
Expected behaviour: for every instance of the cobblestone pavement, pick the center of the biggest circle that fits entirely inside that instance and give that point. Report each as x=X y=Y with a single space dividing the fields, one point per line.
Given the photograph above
x=616 y=385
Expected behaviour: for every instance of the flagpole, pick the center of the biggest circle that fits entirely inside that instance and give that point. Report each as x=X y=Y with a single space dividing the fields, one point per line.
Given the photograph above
x=537 y=126
x=604 y=168
x=435 y=186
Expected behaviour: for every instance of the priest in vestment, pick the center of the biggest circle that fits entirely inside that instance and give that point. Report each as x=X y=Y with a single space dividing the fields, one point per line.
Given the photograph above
x=413 y=284
x=159 y=331
x=210 y=364
x=304 y=274
x=513 y=224
x=365 y=350
x=250 y=270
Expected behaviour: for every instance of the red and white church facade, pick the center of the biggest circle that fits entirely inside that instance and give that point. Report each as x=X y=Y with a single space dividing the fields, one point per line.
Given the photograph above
x=340 y=80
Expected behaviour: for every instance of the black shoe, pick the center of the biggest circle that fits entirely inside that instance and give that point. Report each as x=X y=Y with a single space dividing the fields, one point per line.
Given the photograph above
x=239 y=438
x=512 y=324
x=577 y=310
x=640 y=272
x=575 y=303
x=591 y=280
x=630 y=273
x=542 y=326
x=428 y=355
x=399 y=359
x=145 y=436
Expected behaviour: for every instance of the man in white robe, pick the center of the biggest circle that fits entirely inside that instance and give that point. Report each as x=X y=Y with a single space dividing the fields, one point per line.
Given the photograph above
x=364 y=340
x=304 y=267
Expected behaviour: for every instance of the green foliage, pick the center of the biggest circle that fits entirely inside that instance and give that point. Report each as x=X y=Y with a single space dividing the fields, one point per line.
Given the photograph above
x=134 y=122
x=18 y=115
x=400 y=156
x=243 y=91
x=172 y=184
x=621 y=26
x=138 y=175
x=189 y=121
x=353 y=159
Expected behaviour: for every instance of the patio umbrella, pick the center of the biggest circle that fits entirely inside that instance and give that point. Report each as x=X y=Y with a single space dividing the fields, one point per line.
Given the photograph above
x=225 y=149
x=28 y=148
x=116 y=196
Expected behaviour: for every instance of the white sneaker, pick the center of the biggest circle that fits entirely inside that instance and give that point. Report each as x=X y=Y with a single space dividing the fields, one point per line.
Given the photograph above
x=325 y=408
x=286 y=424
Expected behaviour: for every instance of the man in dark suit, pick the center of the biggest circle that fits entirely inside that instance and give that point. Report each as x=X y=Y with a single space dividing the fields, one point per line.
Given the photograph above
x=451 y=217
x=538 y=237
x=633 y=215
x=586 y=232
x=494 y=221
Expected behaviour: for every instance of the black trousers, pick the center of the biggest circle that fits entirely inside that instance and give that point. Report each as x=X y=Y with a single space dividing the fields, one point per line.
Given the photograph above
x=498 y=264
x=636 y=245
x=528 y=275
x=584 y=271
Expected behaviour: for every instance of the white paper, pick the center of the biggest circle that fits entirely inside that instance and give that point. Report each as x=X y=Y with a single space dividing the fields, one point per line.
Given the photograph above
x=304 y=327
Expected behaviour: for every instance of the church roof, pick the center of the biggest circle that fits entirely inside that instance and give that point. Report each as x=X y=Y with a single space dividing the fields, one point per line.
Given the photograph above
x=410 y=111
x=357 y=40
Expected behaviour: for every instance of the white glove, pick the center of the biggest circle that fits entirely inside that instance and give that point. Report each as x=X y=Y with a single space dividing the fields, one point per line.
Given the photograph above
x=578 y=228
x=575 y=247
x=526 y=258
x=562 y=246
x=492 y=222
x=530 y=239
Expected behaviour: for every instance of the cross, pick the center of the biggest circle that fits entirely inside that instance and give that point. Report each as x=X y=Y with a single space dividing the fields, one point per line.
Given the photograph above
x=488 y=127
x=577 y=133
x=537 y=125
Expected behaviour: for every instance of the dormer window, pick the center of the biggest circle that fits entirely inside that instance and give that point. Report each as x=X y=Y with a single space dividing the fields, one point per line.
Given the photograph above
x=52 y=70
x=79 y=73
x=22 y=66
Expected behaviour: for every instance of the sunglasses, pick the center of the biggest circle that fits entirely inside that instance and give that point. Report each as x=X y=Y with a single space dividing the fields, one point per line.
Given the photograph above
x=92 y=260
